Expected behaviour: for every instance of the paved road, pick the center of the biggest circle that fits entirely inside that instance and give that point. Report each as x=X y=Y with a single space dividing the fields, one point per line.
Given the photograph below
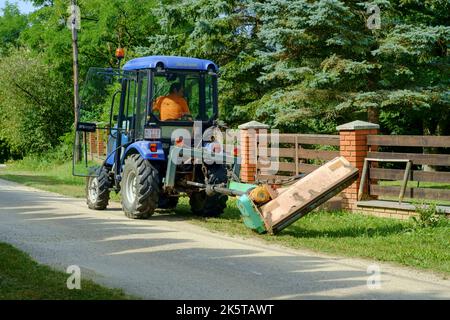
x=167 y=258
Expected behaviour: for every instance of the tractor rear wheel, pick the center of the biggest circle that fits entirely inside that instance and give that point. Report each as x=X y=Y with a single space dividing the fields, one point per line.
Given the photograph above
x=210 y=205
x=97 y=190
x=139 y=188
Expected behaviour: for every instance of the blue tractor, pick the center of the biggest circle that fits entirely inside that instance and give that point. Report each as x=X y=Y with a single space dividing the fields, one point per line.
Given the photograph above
x=127 y=146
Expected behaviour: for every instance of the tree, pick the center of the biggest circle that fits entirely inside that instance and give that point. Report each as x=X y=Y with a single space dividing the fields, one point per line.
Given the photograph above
x=225 y=32
x=34 y=112
x=12 y=23
x=325 y=66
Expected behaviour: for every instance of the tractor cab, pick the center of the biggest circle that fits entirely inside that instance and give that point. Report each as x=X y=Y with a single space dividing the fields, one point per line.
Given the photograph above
x=121 y=107
x=197 y=80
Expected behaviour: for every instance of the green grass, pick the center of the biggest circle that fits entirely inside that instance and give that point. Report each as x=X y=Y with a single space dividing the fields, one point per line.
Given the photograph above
x=53 y=177
x=337 y=233
x=21 y=278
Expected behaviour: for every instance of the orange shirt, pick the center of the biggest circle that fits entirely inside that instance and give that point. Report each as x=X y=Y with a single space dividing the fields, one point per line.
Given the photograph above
x=171 y=107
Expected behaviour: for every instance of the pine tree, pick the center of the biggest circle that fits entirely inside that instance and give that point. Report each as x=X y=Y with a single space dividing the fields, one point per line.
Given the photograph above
x=223 y=31
x=325 y=66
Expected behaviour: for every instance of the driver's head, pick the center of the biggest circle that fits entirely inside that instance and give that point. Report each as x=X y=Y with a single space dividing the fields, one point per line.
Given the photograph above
x=177 y=89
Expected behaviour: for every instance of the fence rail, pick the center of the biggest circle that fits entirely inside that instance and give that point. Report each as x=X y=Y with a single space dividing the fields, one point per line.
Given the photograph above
x=409 y=141
x=320 y=139
x=416 y=158
x=416 y=175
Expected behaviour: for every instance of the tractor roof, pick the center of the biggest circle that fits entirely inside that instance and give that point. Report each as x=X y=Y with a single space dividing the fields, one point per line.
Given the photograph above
x=169 y=62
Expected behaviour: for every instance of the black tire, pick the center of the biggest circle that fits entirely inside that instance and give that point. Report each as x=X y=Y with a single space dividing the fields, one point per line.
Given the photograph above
x=97 y=190
x=166 y=202
x=139 y=188
x=214 y=205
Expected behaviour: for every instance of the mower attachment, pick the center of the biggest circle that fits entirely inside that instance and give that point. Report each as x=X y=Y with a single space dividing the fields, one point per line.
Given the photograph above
x=289 y=204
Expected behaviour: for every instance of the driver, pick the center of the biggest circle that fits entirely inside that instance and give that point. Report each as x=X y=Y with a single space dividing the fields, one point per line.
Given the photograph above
x=173 y=106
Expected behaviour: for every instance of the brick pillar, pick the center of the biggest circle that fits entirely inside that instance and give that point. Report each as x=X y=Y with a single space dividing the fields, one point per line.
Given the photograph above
x=92 y=144
x=353 y=146
x=101 y=148
x=248 y=149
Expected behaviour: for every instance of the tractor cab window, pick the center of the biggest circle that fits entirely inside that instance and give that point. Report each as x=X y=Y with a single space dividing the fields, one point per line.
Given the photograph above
x=112 y=113
x=180 y=96
x=134 y=109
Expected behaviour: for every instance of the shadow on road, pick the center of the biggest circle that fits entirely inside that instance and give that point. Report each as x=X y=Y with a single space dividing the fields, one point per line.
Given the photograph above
x=159 y=258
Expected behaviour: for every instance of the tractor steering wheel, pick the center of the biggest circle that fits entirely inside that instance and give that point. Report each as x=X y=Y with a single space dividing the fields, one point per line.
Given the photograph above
x=186 y=117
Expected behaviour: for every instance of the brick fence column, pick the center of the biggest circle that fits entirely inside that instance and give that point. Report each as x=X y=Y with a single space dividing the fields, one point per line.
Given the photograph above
x=248 y=149
x=353 y=146
x=101 y=148
x=92 y=144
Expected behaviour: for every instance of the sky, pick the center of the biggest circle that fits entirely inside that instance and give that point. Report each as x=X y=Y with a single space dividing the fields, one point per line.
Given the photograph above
x=24 y=6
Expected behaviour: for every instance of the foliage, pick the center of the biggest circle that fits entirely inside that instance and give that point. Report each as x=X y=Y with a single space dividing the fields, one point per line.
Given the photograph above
x=429 y=216
x=33 y=109
x=298 y=65
x=33 y=117
x=223 y=31
x=12 y=23
x=324 y=47
x=308 y=65
x=4 y=151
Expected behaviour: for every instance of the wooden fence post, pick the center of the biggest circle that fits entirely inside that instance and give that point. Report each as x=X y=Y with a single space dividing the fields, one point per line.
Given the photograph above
x=353 y=146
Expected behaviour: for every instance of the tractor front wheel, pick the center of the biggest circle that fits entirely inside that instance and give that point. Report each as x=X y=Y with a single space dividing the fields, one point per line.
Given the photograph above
x=97 y=190
x=139 y=188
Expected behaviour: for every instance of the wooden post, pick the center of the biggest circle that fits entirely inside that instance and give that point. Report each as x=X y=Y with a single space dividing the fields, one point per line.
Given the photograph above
x=76 y=97
x=297 y=171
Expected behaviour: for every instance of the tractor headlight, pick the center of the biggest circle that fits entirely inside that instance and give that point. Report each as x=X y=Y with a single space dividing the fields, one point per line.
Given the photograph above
x=152 y=133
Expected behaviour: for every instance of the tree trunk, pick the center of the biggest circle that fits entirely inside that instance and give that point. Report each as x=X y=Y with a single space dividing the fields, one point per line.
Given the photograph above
x=373 y=115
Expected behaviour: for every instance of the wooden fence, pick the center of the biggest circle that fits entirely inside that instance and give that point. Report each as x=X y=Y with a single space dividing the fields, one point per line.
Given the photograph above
x=298 y=153
x=416 y=174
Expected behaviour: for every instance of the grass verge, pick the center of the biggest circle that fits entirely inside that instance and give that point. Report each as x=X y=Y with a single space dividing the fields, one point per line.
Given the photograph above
x=21 y=278
x=339 y=233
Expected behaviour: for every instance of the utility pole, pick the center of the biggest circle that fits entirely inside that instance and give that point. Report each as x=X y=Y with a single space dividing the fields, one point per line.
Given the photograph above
x=76 y=93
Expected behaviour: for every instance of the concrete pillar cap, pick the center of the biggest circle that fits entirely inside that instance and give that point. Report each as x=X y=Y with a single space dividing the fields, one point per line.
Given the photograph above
x=253 y=125
x=358 y=125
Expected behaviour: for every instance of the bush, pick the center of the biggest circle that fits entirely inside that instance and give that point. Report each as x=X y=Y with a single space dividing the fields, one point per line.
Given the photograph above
x=429 y=216
x=55 y=156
